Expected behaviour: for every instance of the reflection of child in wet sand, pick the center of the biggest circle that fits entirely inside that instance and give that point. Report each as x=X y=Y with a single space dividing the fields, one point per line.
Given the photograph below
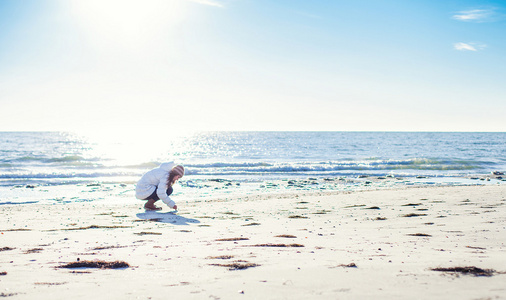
x=157 y=184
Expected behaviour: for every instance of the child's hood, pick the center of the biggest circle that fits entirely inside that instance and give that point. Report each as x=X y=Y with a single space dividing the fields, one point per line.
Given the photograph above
x=167 y=166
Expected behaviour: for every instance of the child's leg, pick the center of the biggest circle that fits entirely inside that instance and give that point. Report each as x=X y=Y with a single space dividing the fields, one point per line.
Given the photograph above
x=150 y=204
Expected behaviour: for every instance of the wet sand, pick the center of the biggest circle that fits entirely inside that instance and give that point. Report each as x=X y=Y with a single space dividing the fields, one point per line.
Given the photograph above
x=411 y=243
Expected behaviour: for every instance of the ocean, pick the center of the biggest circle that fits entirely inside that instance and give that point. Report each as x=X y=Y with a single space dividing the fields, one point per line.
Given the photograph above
x=222 y=163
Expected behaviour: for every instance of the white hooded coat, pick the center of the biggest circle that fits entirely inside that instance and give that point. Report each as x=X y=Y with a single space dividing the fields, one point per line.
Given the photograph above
x=155 y=179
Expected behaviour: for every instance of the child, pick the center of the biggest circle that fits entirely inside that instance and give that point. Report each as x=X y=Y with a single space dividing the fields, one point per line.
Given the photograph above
x=157 y=184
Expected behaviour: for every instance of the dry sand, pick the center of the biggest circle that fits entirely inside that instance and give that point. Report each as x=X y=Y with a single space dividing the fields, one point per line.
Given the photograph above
x=361 y=245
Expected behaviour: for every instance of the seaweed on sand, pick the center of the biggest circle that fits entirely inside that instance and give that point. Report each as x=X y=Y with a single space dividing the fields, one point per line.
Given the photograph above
x=322 y=212
x=413 y=215
x=34 y=250
x=350 y=265
x=479 y=248
x=232 y=239
x=97 y=227
x=288 y=236
x=107 y=247
x=475 y=271
x=148 y=233
x=229 y=213
x=220 y=257
x=278 y=245
x=99 y=264
x=419 y=234
x=251 y=224
x=237 y=265
x=50 y=283
x=297 y=217
x=7 y=295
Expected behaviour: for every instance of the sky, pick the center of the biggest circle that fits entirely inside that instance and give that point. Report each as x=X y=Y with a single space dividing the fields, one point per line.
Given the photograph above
x=162 y=66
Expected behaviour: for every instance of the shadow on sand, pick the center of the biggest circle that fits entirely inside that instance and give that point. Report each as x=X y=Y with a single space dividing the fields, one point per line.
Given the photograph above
x=168 y=217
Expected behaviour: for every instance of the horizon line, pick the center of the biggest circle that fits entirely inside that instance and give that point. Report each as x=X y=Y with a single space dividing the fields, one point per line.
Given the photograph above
x=196 y=131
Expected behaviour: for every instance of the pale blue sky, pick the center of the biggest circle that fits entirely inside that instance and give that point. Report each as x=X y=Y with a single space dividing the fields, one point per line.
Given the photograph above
x=145 y=66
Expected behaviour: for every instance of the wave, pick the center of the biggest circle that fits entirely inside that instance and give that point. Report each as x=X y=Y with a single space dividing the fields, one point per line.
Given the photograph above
x=44 y=159
x=362 y=165
x=146 y=165
x=24 y=159
x=64 y=175
x=421 y=166
x=69 y=158
x=230 y=165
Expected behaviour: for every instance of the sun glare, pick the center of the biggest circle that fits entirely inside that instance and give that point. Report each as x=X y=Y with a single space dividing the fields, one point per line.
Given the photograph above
x=132 y=24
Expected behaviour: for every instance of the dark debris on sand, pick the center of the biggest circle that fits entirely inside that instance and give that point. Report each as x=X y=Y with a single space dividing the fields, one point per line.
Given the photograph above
x=288 y=236
x=322 y=212
x=232 y=239
x=478 y=248
x=475 y=271
x=297 y=217
x=34 y=250
x=6 y=249
x=7 y=295
x=413 y=215
x=237 y=266
x=148 y=233
x=97 y=227
x=107 y=247
x=251 y=224
x=278 y=245
x=220 y=257
x=419 y=234
x=98 y=264
x=350 y=265
x=50 y=283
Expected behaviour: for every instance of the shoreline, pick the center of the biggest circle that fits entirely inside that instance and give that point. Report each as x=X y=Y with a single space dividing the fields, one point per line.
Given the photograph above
x=191 y=188
x=350 y=244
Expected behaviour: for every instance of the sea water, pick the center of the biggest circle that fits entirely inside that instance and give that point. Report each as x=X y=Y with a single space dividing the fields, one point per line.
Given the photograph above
x=245 y=162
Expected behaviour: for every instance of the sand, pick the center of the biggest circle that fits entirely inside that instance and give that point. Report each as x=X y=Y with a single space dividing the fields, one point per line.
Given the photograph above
x=359 y=245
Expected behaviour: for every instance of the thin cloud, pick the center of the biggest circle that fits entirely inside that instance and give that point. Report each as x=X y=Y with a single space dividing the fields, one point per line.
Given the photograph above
x=476 y=15
x=208 y=2
x=468 y=46
x=464 y=47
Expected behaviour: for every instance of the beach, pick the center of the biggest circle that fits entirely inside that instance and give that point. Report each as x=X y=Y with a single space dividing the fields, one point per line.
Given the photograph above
x=404 y=243
x=300 y=150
